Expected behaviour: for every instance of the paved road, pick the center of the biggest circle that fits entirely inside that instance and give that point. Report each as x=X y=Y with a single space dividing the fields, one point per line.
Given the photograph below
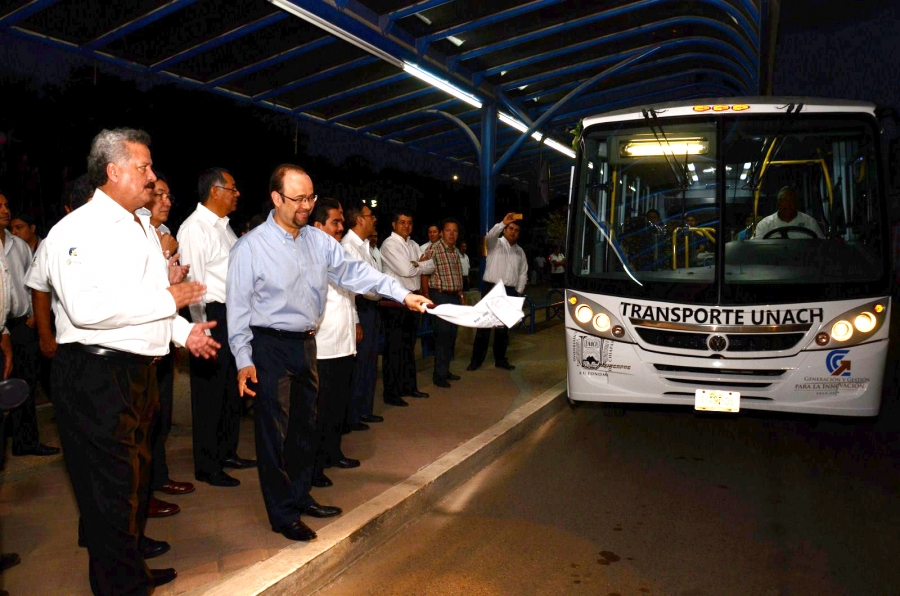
x=662 y=501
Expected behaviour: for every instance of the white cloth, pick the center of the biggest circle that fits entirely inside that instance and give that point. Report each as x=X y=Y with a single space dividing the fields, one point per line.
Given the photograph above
x=110 y=277
x=18 y=257
x=204 y=241
x=506 y=264
x=496 y=309
x=401 y=261
x=357 y=248
x=163 y=228
x=556 y=263
x=336 y=332
x=773 y=222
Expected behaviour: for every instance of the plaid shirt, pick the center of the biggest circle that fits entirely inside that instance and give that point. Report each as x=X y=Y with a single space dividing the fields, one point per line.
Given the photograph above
x=447 y=276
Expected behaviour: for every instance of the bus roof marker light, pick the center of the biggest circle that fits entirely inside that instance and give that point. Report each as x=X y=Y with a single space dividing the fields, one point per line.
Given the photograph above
x=740 y=107
x=702 y=108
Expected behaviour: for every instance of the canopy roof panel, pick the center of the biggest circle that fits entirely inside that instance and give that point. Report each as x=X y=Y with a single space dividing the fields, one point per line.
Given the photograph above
x=341 y=61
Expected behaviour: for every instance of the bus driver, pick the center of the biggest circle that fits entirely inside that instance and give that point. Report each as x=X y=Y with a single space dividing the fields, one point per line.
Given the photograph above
x=788 y=216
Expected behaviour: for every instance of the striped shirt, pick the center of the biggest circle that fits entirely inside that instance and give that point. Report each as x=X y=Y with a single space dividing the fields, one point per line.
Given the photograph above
x=447 y=276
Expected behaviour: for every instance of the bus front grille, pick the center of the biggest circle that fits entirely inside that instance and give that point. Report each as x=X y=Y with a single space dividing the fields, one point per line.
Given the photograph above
x=729 y=384
x=737 y=342
x=774 y=372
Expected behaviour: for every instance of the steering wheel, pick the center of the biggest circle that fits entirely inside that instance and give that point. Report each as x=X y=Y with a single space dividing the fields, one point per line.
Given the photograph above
x=783 y=232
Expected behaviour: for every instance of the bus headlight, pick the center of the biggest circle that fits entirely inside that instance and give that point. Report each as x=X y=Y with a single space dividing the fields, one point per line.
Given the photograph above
x=584 y=313
x=865 y=322
x=842 y=331
x=602 y=322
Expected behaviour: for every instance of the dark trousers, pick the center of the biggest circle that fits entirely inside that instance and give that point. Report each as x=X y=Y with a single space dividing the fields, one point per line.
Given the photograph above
x=444 y=336
x=399 y=359
x=483 y=338
x=285 y=425
x=105 y=408
x=365 y=373
x=165 y=376
x=26 y=358
x=215 y=402
x=335 y=378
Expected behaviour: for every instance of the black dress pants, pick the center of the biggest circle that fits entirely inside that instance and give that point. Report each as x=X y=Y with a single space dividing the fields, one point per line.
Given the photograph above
x=165 y=377
x=105 y=408
x=215 y=402
x=335 y=385
x=483 y=338
x=365 y=373
x=444 y=336
x=26 y=359
x=399 y=359
x=285 y=425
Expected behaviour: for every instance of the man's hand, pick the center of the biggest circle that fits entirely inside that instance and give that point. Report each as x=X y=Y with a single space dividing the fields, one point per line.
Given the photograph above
x=47 y=343
x=177 y=272
x=187 y=293
x=200 y=344
x=422 y=258
x=168 y=243
x=245 y=374
x=416 y=302
x=510 y=217
x=6 y=347
x=30 y=322
x=359 y=333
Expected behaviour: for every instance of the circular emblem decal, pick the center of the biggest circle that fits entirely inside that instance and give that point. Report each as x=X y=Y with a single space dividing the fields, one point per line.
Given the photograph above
x=717 y=343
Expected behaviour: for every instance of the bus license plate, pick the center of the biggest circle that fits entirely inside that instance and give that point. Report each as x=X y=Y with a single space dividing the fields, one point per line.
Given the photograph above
x=710 y=400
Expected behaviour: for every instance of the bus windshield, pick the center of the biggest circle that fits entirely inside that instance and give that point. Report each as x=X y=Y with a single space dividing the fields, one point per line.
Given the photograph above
x=731 y=209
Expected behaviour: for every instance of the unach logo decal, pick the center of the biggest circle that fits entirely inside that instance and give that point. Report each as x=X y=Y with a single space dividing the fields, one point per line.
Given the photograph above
x=837 y=366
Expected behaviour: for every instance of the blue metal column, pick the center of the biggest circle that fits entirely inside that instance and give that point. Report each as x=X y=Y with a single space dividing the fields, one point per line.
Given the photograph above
x=488 y=179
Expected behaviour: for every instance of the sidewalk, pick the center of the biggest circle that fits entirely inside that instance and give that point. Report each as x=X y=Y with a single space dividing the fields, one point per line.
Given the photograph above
x=221 y=531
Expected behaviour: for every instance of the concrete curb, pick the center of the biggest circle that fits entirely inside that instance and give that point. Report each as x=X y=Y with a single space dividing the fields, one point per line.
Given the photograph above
x=305 y=567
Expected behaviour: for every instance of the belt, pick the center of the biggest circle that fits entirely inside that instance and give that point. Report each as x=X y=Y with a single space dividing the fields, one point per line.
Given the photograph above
x=303 y=335
x=112 y=354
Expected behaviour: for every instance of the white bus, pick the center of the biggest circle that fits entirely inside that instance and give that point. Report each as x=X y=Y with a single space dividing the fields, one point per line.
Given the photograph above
x=730 y=254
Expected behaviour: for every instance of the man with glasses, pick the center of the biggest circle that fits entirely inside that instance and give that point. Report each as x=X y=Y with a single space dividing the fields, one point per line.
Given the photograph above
x=278 y=278
x=205 y=240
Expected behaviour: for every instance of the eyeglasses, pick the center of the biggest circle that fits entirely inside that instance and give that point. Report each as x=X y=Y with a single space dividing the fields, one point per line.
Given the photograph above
x=166 y=196
x=234 y=190
x=310 y=200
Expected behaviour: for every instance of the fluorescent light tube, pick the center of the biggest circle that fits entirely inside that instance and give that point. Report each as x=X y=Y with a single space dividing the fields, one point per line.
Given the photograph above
x=441 y=84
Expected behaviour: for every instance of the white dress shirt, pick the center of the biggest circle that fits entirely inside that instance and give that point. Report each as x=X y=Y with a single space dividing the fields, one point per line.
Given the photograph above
x=506 y=263
x=376 y=254
x=110 y=277
x=5 y=282
x=357 y=248
x=464 y=263
x=18 y=256
x=773 y=222
x=336 y=332
x=398 y=256
x=425 y=245
x=204 y=241
x=163 y=228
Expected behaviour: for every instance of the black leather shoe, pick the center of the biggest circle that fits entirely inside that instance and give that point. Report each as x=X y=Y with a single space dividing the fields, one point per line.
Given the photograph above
x=297 y=531
x=396 y=401
x=452 y=377
x=441 y=383
x=151 y=548
x=419 y=394
x=41 y=450
x=8 y=560
x=359 y=426
x=346 y=463
x=238 y=463
x=162 y=576
x=218 y=479
x=320 y=480
x=505 y=365
x=371 y=418
x=316 y=510
x=472 y=366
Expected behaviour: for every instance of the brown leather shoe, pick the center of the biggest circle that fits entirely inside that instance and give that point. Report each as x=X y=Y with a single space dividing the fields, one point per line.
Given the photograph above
x=172 y=487
x=159 y=508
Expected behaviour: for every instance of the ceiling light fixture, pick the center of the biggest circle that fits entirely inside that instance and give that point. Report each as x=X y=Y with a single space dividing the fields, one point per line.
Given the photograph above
x=441 y=84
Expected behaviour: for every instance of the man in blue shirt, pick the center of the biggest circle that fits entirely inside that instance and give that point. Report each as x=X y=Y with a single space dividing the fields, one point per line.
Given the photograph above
x=276 y=287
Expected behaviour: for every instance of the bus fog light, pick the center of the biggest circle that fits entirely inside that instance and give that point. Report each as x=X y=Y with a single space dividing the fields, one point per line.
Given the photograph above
x=584 y=313
x=602 y=322
x=864 y=322
x=822 y=339
x=842 y=331
x=618 y=331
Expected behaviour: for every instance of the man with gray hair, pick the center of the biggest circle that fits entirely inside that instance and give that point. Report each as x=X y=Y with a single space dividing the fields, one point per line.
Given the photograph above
x=116 y=315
